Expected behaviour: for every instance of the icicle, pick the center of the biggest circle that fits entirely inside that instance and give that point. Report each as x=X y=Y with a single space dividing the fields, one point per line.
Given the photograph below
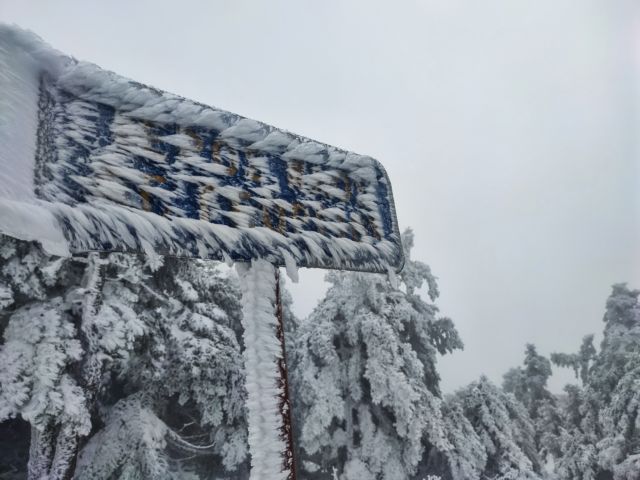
x=290 y=265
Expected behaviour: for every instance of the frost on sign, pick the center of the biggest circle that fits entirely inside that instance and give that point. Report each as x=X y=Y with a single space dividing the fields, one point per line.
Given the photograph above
x=99 y=162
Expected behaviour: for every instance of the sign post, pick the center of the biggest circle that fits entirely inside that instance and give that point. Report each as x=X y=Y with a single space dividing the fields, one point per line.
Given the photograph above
x=94 y=162
x=285 y=396
x=268 y=405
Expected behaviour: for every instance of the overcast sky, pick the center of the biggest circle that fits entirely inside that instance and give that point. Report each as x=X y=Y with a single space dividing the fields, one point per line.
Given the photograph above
x=509 y=129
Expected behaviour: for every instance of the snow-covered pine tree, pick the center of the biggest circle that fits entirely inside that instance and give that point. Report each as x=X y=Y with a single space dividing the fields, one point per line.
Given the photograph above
x=151 y=349
x=465 y=456
x=505 y=430
x=41 y=379
x=619 y=449
x=602 y=438
x=614 y=383
x=620 y=346
x=528 y=384
x=181 y=402
x=364 y=378
x=580 y=430
x=578 y=438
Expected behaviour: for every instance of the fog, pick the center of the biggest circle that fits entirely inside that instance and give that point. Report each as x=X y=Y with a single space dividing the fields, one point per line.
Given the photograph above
x=509 y=131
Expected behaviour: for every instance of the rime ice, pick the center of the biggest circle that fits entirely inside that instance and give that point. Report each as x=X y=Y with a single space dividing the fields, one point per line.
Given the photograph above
x=98 y=162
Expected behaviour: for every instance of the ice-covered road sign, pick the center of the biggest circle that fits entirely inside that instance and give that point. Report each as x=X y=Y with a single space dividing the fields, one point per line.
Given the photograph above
x=108 y=164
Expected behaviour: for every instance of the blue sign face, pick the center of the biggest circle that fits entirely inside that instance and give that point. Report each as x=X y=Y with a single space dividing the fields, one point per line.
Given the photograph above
x=191 y=190
x=123 y=167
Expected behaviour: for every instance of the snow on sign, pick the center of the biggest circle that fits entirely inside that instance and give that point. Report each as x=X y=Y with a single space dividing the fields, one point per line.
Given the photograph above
x=113 y=165
x=94 y=162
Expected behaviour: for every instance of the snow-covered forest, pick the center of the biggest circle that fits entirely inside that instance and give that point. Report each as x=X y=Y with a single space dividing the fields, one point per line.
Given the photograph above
x=119 y=367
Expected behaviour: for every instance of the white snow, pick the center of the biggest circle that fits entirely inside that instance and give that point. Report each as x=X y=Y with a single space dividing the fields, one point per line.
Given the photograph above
x=290 y=266
x=32 y=222
x=20 y=215
x=19 y=83
x=261 y=353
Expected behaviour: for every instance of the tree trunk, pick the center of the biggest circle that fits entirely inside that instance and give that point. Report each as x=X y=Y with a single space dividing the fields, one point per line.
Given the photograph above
x=40 y=453
x=64 y=458
x=53 y=452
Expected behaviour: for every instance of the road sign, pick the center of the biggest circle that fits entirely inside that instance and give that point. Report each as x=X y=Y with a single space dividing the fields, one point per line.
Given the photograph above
x=120 y=166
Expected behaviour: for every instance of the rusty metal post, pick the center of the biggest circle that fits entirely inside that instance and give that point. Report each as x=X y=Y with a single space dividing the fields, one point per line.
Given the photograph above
x=285 y=399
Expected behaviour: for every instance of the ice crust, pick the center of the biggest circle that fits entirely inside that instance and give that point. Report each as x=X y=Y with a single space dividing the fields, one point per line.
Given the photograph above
x=261 y=353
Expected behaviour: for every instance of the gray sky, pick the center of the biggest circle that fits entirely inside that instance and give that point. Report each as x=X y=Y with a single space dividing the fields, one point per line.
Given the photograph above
x=509 y=130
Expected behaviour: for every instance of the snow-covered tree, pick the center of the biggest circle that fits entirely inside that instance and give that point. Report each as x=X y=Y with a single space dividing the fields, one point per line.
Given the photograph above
x=614 y=382
x=620 y=346
x=528 y=384
x=580 y=431
x=184 y=378
x=505 y=430
x=151 y=347
x=364 y=378
x=602 y=435
x=464 y=457
x=580 y=362
x=619 y=449
x=41 y=356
